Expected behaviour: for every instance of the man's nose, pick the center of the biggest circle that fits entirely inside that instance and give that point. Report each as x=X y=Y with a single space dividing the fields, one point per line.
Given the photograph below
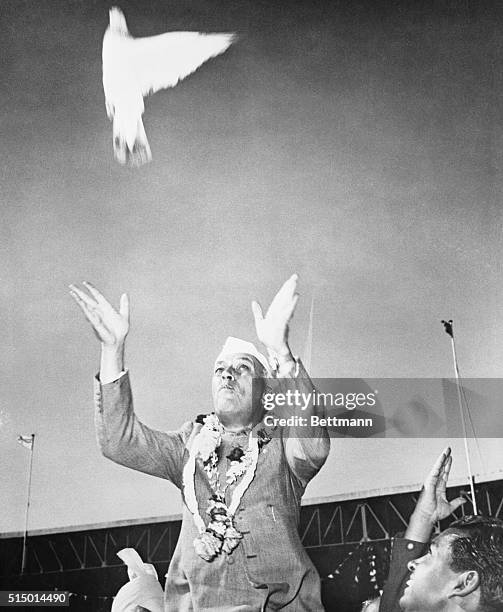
x=228 y=374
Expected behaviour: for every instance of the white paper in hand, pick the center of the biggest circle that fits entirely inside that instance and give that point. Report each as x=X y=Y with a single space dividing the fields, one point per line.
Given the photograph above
x=143 y=592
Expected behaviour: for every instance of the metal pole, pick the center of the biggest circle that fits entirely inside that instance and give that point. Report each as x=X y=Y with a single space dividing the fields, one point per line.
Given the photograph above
x=308 y=348
x=23 y=560
x=450 y=332
x=365 y=537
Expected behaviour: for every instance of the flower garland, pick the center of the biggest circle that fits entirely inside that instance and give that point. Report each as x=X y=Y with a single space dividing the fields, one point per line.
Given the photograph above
x=220 y=535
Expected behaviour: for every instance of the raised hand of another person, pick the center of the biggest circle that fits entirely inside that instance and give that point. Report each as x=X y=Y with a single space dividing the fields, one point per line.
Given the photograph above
x=272 y=329
x=111 y=327
x=433 y=505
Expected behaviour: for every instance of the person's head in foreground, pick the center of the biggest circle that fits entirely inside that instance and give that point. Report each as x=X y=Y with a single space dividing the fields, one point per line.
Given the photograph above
x=237 y=399
x=462 y=570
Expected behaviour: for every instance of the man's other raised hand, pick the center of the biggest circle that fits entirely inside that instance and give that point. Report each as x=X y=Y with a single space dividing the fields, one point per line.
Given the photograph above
x=272 y=329
x=433 y=505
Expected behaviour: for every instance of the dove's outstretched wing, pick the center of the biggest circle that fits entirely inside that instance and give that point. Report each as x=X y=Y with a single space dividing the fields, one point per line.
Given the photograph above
x=162 y=61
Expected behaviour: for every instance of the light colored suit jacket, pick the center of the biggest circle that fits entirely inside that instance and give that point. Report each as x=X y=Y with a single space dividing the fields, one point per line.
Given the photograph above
x=269 y=569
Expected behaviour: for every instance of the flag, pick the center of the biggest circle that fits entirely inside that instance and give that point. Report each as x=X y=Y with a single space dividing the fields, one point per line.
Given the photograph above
x=26 y=441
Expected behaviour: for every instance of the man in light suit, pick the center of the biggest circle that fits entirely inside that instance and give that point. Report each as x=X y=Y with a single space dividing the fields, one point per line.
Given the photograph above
x=239 y=549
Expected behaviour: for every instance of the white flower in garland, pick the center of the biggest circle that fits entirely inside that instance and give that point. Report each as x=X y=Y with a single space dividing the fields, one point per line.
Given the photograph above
x=238 y=466
x=209 y=438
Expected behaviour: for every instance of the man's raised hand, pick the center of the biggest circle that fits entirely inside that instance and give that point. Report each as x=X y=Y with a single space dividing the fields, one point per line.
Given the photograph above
x=433 y=500
x=272 y=330
x=109 y=325
x=433 y=505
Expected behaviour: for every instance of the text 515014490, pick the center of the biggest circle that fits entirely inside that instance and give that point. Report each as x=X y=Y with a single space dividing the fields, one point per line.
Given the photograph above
x=34 y=598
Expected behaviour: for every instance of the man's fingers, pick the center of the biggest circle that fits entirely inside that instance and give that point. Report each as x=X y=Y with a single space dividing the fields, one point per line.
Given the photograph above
x=285 y=300
x=288 y=288
x=291 y=283
x=257 y=312
x=441 y=483
x=87 y=309
x=81 y=303
x=293 y=279
x=124 y=306
x=438 y=466
x=293 y=305
x=100 y=298
x=79 y=294
x=447 y=469
x=456 y=503
x=92 y=316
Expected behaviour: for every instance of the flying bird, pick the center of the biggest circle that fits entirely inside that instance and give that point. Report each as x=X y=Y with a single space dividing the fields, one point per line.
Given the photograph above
x=133 y=68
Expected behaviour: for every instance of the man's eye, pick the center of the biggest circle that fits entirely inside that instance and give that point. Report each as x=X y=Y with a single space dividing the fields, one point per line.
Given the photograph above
x=219 y=370
x=243 y=367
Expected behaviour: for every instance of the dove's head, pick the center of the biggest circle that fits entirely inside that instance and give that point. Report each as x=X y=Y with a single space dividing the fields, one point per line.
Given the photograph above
x=117 y=20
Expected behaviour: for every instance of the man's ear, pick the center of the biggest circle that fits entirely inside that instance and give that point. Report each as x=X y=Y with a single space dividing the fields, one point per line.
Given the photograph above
x=466 y=583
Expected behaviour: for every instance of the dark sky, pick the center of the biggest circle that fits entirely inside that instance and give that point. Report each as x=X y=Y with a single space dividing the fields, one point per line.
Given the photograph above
x=356 y=143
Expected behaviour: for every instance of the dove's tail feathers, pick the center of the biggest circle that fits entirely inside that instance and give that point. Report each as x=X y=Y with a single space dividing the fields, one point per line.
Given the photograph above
x=134 y=153
x=140 y=153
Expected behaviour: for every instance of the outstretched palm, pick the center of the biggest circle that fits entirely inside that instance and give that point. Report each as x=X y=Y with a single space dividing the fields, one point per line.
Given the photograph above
x=433 y=500
x=272 y=330
x=110 y=326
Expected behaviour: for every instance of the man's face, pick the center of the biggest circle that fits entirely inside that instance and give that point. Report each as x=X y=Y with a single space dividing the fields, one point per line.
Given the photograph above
x=432 y=580
x=235 y=398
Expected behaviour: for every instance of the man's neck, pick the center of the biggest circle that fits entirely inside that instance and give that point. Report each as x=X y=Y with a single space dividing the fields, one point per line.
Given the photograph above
x=232 y=423
x=469 y=603
x=236 y=428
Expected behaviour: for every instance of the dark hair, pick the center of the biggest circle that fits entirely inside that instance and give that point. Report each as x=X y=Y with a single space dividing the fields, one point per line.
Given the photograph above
x=479 y=546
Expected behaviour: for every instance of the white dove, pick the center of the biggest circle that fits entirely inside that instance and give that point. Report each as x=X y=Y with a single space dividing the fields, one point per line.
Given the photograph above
x=134 y=68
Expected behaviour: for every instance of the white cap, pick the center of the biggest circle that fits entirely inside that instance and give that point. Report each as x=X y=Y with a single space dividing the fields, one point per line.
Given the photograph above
x=234 y=346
